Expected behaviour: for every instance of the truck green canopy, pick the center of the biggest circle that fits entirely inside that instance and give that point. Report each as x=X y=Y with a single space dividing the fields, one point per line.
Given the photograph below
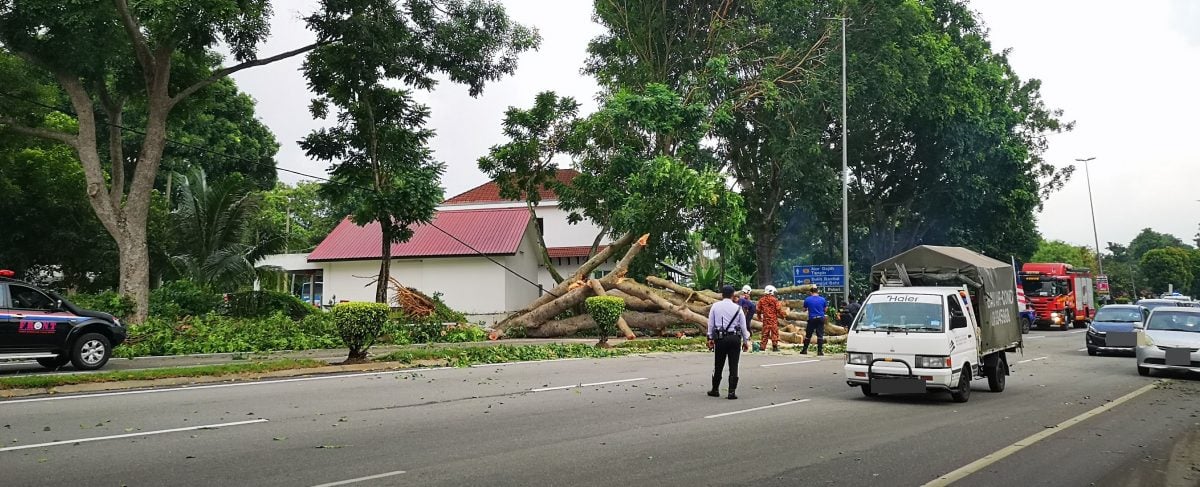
x=985 y=277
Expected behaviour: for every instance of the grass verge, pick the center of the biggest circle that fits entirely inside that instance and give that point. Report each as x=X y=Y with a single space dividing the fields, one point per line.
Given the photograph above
x=46 y=381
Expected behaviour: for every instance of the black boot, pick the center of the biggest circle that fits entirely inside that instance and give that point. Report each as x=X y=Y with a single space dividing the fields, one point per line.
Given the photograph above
x=804 y=350
x=733 y=388
x=820 y=350
x=716 y=390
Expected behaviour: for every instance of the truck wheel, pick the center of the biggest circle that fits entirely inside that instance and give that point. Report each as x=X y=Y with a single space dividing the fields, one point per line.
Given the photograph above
x=1025 y=326
x=963 y=392
x=866 y=390
x=997 y=375
x=54 y=363
x=90 y=352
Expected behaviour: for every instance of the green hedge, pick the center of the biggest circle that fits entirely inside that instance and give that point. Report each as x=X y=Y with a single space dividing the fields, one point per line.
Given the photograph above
x=605 y=311
x=221 y=334
x=178 y=299
x=258 y=304
x=359 y=325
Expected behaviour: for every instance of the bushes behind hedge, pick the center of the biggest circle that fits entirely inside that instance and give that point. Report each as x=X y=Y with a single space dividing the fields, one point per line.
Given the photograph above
x=221 y=334
x=177 y=299
x=258 y=304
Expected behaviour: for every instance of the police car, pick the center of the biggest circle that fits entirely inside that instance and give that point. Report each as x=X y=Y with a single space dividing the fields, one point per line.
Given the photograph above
x=44 y=326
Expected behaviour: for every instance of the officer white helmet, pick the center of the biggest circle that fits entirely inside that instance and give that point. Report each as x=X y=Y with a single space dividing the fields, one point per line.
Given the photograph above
x=771 y=290
x=746 y=289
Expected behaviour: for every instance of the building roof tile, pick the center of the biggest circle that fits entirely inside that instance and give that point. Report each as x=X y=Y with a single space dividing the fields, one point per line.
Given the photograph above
x=490 y=232
x=490 y=192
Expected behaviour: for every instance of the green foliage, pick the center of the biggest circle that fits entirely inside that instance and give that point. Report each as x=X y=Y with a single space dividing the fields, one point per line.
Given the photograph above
x=523 y=167
x=359 y=325
x=296 y=213
x=461 y=333
x=259 y=304
x=220 y=334
x=178 y=299
x=605 y=311
x=466 y=356
x=109 y=302
x=214 y=247
x=1164 y=267
x=1057 y=251
x=1148 y=240
x=705 y=275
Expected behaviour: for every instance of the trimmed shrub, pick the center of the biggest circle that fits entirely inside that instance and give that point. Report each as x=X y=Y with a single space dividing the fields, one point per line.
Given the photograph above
x=258 y=304
x=109 y=302
x=463 y=333
x=605 y=311
x=359 y=325
x=177 y=299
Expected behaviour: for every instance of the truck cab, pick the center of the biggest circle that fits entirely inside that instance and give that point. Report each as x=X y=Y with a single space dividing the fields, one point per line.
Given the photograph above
x=926 y=332
x=1061 y=294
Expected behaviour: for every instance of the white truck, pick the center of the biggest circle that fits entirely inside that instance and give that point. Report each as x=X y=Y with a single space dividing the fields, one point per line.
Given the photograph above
x=926 y=328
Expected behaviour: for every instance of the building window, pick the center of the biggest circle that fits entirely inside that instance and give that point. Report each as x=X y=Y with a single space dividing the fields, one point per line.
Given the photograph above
x=308 y=286
x=541 y=223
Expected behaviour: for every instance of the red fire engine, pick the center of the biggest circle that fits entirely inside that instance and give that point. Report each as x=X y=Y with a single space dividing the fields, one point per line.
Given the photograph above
x=1061 y=294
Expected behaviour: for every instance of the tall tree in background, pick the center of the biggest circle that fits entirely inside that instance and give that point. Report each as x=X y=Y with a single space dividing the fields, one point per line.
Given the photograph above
x=523 y=167
x=383 y=169
x=1148 y=240
x=1057 y=251
x=1169 y=266
x=298 y=213
x=107 y=56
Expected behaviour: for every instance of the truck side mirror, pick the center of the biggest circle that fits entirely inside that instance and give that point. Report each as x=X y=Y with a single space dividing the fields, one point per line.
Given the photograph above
x=957 y=322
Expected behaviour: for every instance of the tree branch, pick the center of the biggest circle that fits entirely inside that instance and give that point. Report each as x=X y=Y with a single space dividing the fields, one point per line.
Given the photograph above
x=54 y=135
x=223 y=72
x=144 y=56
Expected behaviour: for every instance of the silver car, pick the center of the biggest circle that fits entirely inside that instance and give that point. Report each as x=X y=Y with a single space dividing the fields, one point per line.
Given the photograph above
x=1170 y=340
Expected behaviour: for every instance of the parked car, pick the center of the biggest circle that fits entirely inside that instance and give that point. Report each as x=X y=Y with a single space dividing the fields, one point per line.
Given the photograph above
x=1150 y=304
x=44 y=326
x=1170 y=340
x=1115 y=328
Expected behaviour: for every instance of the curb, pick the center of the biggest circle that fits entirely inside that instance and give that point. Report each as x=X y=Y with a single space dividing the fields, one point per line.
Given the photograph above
x=185 y=381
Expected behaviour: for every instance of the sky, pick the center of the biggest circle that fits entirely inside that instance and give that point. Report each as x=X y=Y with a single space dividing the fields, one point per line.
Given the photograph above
x=1126 y=76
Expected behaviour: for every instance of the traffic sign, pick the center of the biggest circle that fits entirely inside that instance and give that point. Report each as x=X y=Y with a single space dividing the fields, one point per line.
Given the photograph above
x=1102 y=285
x=819 y=275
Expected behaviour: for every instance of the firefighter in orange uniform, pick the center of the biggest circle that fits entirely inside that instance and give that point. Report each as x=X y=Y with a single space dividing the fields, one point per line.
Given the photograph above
x=770 y=309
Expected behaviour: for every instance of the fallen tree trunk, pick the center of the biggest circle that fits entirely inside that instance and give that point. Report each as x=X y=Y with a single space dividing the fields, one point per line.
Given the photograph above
x=656 y=322
x=799 y=338
x=632 y=303
x=640 y=291
x=687 y=292
x=584 y=270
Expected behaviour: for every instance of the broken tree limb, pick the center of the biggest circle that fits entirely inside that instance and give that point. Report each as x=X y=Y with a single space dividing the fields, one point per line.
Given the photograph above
x=799 y=338
x=637 y=290
x=583 y=271
x=686 y=292
x=632 y=303
x=622 y=268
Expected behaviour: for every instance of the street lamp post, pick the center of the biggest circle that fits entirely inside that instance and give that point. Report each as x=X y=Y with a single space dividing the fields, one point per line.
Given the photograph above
x=1095 y=234
x=845 y=170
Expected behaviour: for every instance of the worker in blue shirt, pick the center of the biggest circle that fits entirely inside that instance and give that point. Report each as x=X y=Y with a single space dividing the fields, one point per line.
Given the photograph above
x=728 y=335
x=815 y=305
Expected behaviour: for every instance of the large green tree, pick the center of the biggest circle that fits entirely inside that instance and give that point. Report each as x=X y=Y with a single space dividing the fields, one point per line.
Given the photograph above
x=383 y=170
x=1148 y=240
x=1061 y=252
x=108 y=56
x=524 y=166
x=298 y=213
x=1166 y=267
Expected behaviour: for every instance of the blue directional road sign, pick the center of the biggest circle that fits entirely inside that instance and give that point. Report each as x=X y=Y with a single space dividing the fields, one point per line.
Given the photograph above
x=820 y=275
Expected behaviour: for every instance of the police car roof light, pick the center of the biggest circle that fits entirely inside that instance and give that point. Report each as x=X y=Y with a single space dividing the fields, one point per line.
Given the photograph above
x=7 y=273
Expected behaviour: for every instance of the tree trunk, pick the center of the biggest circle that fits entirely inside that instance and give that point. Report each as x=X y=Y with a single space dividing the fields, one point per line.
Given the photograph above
x=640 y=291
x=621 y=325
x=635 y=319
x=764 y=254
x=134 y=260
x=546 y=260
x=584 y=270
x=686 y=292
x=385 y=264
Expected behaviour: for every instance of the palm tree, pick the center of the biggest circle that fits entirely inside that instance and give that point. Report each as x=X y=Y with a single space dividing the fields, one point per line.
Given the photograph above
x=214 y=247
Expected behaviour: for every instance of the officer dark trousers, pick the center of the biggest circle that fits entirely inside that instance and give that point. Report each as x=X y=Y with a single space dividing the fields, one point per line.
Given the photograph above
x=815 y=325
x=728 y=346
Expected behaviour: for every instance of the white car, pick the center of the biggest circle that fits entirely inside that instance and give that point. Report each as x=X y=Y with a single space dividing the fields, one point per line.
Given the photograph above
x=1170 y=340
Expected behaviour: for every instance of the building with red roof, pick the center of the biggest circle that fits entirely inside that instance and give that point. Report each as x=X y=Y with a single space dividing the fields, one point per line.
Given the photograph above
x=480 y=253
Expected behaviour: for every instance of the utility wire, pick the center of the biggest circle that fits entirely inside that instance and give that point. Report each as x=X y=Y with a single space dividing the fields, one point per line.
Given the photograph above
x=278 y=168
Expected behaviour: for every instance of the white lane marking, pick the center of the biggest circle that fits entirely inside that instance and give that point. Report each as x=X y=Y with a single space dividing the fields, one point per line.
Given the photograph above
x=1076 y=331
x=544 y=389
x=362 y=479
x=760 y=408
x=219 y=386
x=790 y=363
x=992 y=458
x=1035 y=336
x=1082 y=350
x=527 y=362
x=1032 y=360
x=131 y=435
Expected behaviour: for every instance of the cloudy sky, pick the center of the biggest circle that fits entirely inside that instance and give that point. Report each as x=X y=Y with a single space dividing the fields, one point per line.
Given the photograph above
x=1127 y=77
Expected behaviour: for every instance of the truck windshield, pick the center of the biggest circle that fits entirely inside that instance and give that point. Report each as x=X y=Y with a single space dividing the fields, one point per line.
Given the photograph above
x=1044 y=288
x=901 y=317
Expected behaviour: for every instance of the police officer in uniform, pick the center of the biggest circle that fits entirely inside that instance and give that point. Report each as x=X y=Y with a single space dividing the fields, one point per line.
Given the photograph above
x=728 y=335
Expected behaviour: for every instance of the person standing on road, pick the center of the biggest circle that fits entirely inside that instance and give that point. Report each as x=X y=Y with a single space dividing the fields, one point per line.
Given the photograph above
x=852 y=309
x=748 y=307
x=815 y=305
x=769 y=312
x=728 y=335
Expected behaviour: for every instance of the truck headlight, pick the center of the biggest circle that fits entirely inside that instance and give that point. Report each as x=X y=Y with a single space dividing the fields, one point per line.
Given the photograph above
x=933 y=362
x=857 y=358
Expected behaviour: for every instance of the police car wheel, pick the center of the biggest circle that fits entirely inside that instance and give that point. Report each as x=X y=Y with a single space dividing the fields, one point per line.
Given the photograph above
x=53 y=363
x=90 y=351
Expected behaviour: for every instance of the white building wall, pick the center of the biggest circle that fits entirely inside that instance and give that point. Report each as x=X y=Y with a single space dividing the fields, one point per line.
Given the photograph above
x=472 y=285
x=518 y=292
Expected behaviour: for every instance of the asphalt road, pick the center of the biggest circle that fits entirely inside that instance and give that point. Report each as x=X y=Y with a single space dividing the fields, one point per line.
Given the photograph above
x=646 y=420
